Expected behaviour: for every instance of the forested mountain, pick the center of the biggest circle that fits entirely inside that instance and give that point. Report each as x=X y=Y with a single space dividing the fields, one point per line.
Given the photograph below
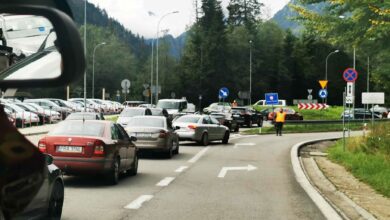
x=285 y=17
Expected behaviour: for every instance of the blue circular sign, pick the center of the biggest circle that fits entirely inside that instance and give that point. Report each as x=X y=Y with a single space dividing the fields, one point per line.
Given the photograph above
x=323 y=93
x=223 y=92
x=350 y=75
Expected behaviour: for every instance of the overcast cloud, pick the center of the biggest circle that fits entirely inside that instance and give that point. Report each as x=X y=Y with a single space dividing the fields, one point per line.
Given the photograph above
x=135 y=14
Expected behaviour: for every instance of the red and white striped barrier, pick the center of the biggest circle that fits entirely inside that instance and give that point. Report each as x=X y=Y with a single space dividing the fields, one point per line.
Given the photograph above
x=310 y=106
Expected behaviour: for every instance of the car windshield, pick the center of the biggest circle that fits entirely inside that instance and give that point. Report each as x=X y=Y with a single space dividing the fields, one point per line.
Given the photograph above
x=188 y=119
x=146 y=122
x=27 y=26
x=131 y=112
x=78 y=128
x=168 y=104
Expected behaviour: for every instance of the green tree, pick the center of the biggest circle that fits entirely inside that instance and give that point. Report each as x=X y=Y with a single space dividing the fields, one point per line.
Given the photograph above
x=244 y=12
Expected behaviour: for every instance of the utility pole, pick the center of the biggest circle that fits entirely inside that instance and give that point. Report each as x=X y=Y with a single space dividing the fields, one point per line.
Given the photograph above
x=85 y=54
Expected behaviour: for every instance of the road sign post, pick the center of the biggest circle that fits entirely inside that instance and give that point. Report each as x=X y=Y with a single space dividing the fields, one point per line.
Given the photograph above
x=223 y=93
x=125 y=86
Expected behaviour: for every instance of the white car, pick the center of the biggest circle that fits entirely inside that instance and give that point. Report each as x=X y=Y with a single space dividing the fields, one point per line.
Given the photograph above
x=53 y=115
x=19 y=113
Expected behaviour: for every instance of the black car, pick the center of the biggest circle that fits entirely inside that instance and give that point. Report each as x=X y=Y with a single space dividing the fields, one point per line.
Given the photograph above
x=227 y=120
x=85 y=116
x=46 y=204
x=247 y=116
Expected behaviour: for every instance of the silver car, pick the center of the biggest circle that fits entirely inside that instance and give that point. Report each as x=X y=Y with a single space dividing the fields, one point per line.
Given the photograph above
x=201 y=128
x=153 y=133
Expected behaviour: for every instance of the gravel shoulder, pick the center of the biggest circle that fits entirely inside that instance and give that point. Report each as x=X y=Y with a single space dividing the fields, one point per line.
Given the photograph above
x=353 y=198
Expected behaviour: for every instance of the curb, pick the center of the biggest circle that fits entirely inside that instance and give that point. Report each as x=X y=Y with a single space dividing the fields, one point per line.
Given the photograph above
x=327 y=210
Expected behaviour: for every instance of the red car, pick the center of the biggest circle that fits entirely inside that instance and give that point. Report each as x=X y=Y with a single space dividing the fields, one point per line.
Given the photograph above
x=91 y=147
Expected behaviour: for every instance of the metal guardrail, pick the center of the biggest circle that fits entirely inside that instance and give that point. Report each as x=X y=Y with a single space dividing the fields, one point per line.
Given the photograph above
x=335 y=121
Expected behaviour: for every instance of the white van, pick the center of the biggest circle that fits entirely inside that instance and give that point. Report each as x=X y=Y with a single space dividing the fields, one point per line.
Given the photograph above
x=173 y=106
x=281 y=103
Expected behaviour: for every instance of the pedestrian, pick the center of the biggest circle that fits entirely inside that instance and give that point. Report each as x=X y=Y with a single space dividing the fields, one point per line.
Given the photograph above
x=280 y=118
x=234 y=104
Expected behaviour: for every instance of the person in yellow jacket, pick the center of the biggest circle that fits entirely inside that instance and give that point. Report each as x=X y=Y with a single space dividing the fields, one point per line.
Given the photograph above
x=280 y=118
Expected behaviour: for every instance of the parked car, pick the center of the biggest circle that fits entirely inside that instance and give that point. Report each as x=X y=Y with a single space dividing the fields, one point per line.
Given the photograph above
x=247 y=116
x=25 y=117
x=47 y=104
x=154 y=133
x=360 y=113
x=291 y=114
x=227 y=120
x=130 y=112
x=382 y=111
x=47 y=203
x=218 y=107
x=43 y=118
x=85 y=116
x=62 y=103
x=281 y=103
x=133 y=103
x=201 y=128
x=91 y=147
x=53 y=115
x=90 y=106
x=79 y=105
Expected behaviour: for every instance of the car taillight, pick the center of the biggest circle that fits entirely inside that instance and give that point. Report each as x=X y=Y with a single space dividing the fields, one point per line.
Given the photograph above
x=99 y=149
x=162 y=134
x=192 y=127
x=42 y=146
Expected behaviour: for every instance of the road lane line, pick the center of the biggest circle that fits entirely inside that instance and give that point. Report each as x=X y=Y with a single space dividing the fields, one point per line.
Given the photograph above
x=198 y=155
x=224 y=170
x=181 y=169
x=166 y=181
x=136 y=204
x=244 y=144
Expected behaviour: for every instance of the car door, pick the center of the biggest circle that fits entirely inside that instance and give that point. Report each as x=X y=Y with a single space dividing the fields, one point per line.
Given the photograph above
x=211 y=127
x=219 y=129
x=120 y=146
x=131 y=150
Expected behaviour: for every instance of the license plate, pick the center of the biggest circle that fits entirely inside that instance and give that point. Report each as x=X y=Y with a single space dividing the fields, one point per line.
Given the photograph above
x=69 y=149
x=144 y=135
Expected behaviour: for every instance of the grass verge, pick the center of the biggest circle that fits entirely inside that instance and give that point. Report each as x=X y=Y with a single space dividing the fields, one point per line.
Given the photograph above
x=112 y=118
x=305 y=128
x=332 y=113
x=367 y=158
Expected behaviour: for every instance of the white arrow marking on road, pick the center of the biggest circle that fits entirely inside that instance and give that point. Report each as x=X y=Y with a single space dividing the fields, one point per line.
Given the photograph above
x=166 y=181
x=181 y=169
x=244 y=144
x=136 y=204
x=224 y=170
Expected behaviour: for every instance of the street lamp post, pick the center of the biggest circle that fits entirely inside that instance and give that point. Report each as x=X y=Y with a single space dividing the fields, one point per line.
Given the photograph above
x=158 y=30
x=326 y=63
x=85 y=54
x=93 y=68
x=250 y=72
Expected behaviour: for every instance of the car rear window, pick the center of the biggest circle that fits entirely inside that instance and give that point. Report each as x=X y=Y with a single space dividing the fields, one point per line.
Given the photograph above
x=131 y=112
x=188 y=119
x=147 y=122
x=81 y=117
x=79 y=128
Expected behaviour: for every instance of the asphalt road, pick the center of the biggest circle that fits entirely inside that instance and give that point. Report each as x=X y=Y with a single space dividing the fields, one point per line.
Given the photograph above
x=192 y=186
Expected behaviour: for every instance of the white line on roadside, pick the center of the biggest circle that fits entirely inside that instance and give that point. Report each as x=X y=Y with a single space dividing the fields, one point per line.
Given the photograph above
x=244 y=144
x=166 y=181
x=198 y=155
x=181 y=169
x=136 y=204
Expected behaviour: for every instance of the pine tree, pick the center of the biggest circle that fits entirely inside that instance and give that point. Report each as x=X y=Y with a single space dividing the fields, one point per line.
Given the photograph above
x=244 y=12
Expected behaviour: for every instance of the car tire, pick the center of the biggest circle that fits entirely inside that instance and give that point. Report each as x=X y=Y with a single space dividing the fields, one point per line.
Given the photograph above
x=176 y=151
x=249 y=124
x=205 y=139
x=169 y=153
x=260 y=123
x=237 y=128
x=225 y=139
x=113 y=175
x=134 y=167
x=56 y=201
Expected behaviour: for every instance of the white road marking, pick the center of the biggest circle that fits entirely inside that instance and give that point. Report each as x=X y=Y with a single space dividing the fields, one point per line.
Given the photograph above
x=136 y=204
x=181 y=169
x=224 y=170
x=166 y=181
x=244 y=144
x=198 y=155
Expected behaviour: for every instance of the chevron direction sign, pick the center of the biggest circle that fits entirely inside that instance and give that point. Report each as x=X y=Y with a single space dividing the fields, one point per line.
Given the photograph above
x=310 y=106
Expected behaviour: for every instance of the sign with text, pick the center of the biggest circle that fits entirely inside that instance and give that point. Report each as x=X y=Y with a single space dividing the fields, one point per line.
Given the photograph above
x=373 y=98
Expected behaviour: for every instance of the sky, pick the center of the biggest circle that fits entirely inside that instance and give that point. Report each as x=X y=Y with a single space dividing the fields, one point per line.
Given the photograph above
x=142 y=16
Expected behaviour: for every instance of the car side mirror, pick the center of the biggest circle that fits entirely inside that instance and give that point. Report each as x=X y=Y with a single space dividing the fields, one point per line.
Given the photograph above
x=49 y=159
x=177 y=127
x=133 y=139
x=56 y=60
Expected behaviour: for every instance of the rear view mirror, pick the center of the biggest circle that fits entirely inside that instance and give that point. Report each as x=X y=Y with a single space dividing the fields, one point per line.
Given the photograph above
x=39 y=46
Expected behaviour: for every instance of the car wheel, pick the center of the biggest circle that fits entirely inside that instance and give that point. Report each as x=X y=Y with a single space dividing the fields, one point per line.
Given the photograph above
x=169 y=153
x=205 y=139
x=176 y=151
x=260 y=123
x=56 y=201
x=113 y=175
x=237 y=128
x=225 y=139
x=249 y=124
x=134 y=167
